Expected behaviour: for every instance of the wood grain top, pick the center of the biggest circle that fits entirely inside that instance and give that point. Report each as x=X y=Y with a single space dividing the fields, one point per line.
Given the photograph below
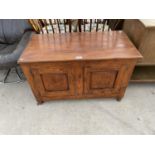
x=79 y=46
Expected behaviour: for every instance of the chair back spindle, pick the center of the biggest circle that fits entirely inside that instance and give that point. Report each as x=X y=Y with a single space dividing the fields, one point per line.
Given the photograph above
x=76 y=25
x=90 y=25
x=51 y=25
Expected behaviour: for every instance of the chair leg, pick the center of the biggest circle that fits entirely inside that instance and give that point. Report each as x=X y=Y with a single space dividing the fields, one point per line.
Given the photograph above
x=17 y=73
x=6 y=76
x=19 y=76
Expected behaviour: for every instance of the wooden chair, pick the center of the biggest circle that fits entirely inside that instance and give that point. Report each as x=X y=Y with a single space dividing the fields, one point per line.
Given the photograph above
x=73 y=25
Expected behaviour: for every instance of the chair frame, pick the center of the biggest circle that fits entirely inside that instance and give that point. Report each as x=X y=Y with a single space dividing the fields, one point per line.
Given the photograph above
x=39 y=24
x=4 y=81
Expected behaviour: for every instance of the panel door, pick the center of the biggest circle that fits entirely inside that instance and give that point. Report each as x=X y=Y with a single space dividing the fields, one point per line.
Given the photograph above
x=54 y=81
x=102 y=78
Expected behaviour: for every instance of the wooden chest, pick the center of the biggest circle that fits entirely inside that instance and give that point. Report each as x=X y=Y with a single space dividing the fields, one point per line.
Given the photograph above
x=79 y=65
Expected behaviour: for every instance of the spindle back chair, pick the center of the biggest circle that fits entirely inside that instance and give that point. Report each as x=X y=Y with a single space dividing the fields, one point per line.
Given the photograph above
x=73 y=25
